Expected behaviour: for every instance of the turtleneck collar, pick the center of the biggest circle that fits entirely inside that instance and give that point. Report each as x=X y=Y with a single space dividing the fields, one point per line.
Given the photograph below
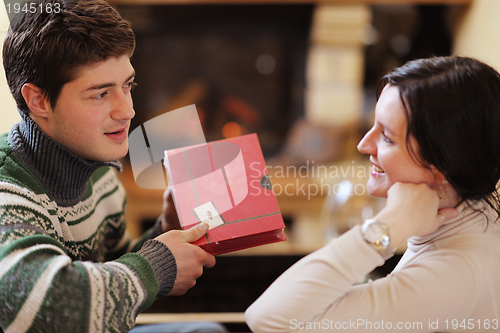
x=63 y=174
x=471 y=214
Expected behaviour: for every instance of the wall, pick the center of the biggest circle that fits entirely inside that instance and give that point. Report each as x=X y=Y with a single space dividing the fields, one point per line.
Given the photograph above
x=478 y=35
x=8 y=112
x=334 y=91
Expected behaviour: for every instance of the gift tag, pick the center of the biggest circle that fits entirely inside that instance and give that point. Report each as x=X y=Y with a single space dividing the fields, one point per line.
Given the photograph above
x=208 y=213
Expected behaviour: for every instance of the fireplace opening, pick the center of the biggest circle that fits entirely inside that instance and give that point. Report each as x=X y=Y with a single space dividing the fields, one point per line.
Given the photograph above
x=243 y=66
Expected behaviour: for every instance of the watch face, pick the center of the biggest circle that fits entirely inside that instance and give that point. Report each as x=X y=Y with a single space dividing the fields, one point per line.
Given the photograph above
x=376 y=233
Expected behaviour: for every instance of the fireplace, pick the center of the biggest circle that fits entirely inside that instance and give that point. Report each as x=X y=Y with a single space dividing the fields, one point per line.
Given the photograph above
x=242 y=66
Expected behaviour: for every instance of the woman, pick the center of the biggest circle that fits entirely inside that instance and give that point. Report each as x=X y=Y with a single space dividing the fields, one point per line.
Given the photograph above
x=435 y=150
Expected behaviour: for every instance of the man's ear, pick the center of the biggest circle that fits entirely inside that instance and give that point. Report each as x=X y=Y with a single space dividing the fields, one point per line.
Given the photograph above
x=35 y=100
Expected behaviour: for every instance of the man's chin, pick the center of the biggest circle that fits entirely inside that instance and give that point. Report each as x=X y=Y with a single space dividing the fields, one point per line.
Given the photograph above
x=115 y=153
x=115 y=158
x=105 y=158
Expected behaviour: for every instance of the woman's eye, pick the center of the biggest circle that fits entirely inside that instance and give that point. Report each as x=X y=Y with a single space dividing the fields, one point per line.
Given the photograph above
x=386 y=139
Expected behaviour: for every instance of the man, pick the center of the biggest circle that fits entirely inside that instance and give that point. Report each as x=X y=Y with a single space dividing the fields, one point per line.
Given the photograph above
x=63 y=266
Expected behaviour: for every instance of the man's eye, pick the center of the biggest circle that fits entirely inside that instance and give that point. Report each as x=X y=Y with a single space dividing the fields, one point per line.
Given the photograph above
x=131 y=85
x=101 y=96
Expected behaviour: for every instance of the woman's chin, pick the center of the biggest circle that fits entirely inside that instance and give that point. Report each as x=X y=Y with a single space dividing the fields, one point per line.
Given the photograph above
x=376 y=190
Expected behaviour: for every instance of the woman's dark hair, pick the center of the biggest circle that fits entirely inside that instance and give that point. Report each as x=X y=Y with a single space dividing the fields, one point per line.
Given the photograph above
x=47 y=46
x=452 y=107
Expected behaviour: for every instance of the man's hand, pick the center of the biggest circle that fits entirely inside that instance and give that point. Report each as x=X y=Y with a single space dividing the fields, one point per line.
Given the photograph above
x=169 y=217
x=190 y=259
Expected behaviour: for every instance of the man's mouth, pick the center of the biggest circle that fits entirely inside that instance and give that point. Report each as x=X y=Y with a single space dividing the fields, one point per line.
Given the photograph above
x=117 y=131
x=119 y=135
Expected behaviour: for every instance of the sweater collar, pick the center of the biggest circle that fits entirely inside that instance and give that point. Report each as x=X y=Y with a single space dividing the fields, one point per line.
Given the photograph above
x=64 y=175
x=471 y=214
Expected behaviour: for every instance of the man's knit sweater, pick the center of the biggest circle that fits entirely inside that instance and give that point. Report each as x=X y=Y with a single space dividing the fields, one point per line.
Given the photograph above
x=61 y=224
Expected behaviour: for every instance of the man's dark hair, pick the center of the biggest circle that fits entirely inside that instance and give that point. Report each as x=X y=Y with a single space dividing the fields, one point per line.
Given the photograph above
x=48 y=47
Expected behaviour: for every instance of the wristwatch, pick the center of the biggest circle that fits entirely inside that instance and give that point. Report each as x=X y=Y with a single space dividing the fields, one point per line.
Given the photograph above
x=376 y=234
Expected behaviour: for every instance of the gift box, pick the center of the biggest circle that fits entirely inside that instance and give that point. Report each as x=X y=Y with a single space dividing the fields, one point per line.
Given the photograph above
x=226 y=184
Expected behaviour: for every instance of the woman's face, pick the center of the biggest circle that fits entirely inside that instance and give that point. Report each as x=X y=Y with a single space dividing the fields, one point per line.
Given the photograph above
x=385 y=142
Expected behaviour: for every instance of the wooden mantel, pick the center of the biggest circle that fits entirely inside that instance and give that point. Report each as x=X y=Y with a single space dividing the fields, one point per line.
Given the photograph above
x=274 y=2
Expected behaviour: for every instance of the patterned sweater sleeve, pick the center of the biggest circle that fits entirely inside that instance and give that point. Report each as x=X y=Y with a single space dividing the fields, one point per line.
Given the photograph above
x=43 y=288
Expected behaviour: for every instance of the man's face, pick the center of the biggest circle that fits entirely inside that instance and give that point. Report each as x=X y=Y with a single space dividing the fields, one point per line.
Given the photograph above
x=92 y=115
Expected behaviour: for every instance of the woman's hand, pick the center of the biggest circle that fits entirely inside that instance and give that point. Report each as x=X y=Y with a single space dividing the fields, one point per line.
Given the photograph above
x=412 y=210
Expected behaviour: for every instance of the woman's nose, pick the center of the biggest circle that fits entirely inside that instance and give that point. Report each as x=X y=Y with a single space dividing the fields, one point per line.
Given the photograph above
x=367 y=144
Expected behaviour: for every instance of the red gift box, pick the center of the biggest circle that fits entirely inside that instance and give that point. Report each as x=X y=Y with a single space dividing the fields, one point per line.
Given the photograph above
x=226 y=184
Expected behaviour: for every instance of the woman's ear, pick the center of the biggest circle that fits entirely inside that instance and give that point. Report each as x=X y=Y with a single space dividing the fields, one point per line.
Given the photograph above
x=439 y=177
x=35 y=100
